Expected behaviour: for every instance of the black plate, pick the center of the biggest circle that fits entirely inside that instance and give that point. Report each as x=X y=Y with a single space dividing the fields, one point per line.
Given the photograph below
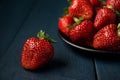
x=65 y=39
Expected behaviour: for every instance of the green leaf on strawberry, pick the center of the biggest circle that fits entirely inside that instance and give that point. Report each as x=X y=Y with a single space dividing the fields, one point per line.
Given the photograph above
x=65 y=9
x=118 y=29
x=41 y=35
x=77 y=21
x=69 y=1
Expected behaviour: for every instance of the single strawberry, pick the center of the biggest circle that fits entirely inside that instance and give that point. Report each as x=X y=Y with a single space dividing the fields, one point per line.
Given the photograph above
x=37 y=52
x=95 y=3
x=82 y=33
x=63 y=24
x=104 y=17
x=108 y=38
x=114 y=3
x=79 y=8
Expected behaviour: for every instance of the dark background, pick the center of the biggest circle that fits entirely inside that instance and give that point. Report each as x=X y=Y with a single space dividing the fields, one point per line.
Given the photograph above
x=21 y=19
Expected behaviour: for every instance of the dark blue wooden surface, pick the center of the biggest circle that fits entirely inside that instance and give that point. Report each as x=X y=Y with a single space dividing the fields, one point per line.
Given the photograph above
x=108 y=68
x=21 y=19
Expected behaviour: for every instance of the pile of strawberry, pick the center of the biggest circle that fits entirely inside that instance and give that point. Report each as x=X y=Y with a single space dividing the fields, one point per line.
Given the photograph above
x=92 y=23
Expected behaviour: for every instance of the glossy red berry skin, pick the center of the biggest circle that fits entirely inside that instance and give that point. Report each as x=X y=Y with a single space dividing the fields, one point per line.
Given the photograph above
x=114 y=3
x=107 y=38
x=104 y=17
x=95 y=3
x=83 y=33
x=81 y=8
x=64 y=23
x=36 y=53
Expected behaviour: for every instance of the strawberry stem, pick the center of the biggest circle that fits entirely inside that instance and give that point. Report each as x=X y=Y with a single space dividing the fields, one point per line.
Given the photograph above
x=118 y=29
x=115 y=11
x=41 y=35
x=65 y=11
x=70 y=1
x=110 y=7
x=77 y=21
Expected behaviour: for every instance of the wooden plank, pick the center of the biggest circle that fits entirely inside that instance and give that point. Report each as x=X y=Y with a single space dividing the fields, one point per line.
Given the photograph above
x=108 y=68
x=13 y=13
x=68 y=63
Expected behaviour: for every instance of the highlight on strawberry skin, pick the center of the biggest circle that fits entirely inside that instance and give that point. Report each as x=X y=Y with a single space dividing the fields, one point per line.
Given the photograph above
x=37 y=51
x=92 y=23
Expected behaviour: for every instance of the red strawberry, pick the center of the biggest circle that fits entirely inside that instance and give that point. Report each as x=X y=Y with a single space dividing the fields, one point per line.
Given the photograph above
x=37 y=52
x=82 y=33
x=64 y=23
x=114 y=3
x=95 y=3
x=79 y=8
x=108 y=38
x=104 y=17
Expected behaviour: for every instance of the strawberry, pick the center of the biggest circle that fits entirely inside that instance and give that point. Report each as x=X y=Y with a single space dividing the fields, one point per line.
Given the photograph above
x=108 y=38
x=81 y=8
x=37 y=52
x=114 y=3
x=64 y=23
x=82 y=33
x=104 y=17
x=95 y=3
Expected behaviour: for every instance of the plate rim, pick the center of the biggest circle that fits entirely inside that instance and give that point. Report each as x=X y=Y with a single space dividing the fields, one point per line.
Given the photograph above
x=84 y=48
